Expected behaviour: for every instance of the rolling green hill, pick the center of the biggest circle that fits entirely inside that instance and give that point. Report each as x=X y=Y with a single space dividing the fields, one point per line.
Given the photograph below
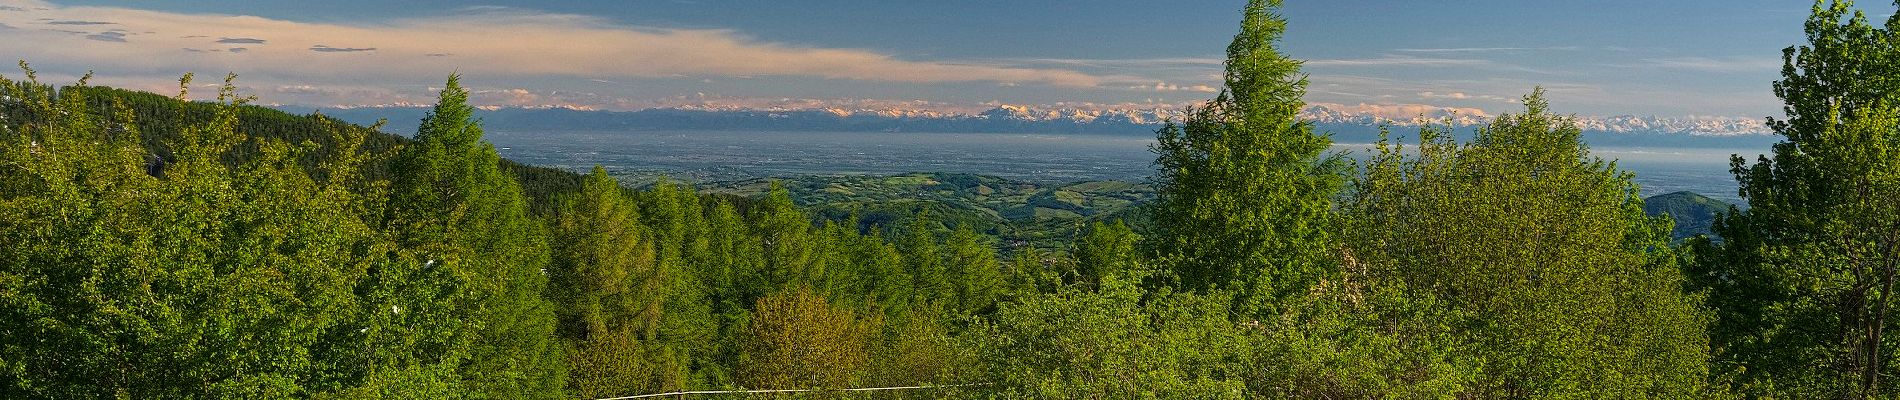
x=1044 y=215
x=1694 y=213
x=1021 y=213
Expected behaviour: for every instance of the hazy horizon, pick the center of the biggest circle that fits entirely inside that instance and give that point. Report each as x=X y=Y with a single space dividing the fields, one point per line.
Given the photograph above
x=1377 y=58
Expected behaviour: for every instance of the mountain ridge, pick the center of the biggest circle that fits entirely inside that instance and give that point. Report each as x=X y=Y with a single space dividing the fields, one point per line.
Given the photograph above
x=1034 y=119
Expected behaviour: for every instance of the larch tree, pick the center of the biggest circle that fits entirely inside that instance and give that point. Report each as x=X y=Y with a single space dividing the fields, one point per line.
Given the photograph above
x=451 y=202
x=607 y=292
x=1245 y=194
x=924 y=262
x=790 y=245
x=973 y=266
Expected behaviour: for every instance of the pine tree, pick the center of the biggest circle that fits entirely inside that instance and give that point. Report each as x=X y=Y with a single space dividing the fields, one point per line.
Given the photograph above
x=603 y=275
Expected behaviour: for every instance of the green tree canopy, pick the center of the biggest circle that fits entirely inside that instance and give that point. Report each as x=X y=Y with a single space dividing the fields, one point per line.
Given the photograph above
x=453 y=204
x=1803 y=280
x=1565 y=286
x=1244 y=196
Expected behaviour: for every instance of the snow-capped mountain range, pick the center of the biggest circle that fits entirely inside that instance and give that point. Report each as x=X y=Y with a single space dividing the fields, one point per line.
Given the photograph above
x=1336 y=115
x=1012 y=118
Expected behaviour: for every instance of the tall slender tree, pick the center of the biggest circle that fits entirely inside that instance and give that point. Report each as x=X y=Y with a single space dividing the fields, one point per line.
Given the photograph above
x=606 y=290
x=973 y=267
x=1245 y=193
x=602 y=263
x=452 y=203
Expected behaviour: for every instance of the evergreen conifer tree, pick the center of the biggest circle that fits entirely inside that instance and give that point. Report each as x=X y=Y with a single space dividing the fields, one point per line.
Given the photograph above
x=453 y=204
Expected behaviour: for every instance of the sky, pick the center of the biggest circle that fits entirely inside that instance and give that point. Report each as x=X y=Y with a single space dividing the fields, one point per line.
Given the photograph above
x=1390 y=58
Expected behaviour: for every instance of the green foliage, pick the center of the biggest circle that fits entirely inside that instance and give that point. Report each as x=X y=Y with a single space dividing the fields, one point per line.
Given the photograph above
x=451 y=202
x=1119 y=342
x=1803 y=280
x=973 y=268
x=1244 y=197
x=607 y=290
x=787 y=242
x=1564 y=285
x=1365 y=335
x=797 y=339
x=253 y=268
x=205 y=281
x=923 y=260
x=1107 y=252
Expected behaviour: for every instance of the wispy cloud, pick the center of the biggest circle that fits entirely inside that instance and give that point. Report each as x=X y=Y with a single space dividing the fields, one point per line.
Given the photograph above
x=490 y=41
x=109 y=36
x=327 y=49
x=1418 y=62
x=1488 y=49
x=1214 y=62
x=1705 y=64
x=1402 y=61
x=1464 y=96
x=1171 y=87
x=230 y=40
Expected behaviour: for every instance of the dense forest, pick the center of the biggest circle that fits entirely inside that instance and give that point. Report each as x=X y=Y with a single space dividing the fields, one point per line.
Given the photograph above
x=155 y=247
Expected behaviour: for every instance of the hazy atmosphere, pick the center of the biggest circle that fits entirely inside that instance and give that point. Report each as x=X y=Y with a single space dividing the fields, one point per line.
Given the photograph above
x=1392 y=59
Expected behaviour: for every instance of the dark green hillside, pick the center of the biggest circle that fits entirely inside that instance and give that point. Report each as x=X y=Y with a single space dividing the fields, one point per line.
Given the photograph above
x=1694 y=213
x=161 y=119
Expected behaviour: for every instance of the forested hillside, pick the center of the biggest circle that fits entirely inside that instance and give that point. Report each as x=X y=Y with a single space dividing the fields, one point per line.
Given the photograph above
x=1693 y=214
x=161 y=119
x=152 y=247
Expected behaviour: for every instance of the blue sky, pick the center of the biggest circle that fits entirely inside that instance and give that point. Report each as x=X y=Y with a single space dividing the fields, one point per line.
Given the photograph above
x=1672 y=58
